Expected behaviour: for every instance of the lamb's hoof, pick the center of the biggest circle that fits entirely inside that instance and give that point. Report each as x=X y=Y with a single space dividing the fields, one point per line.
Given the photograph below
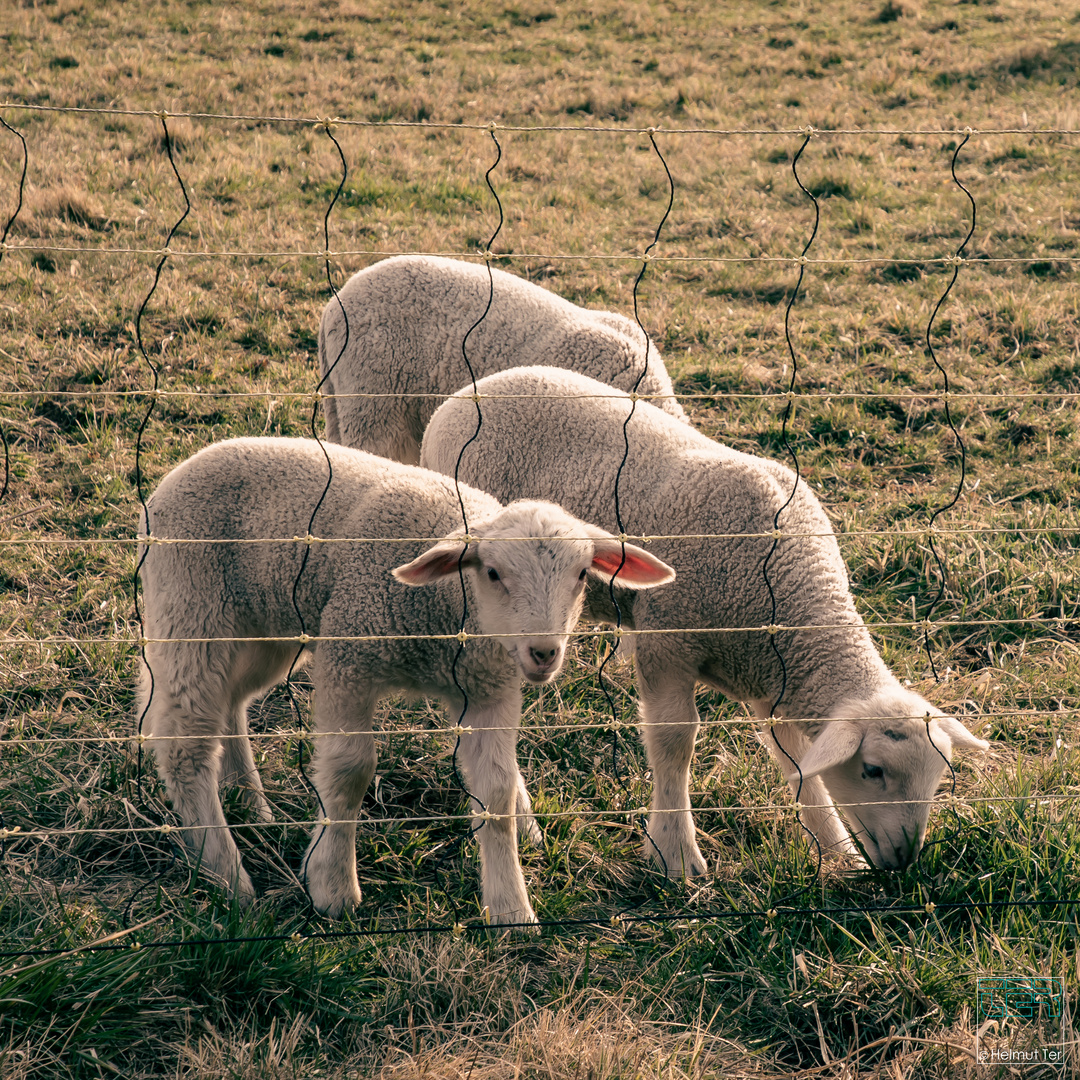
x=523 y=919
x=332 y=901
x=334 y=907
x=680 y=862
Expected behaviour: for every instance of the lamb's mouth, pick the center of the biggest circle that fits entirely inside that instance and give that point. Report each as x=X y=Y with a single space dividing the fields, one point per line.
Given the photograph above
x=539 y=677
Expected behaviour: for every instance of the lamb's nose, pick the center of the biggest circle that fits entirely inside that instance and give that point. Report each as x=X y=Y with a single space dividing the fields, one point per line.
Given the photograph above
x=543 y=657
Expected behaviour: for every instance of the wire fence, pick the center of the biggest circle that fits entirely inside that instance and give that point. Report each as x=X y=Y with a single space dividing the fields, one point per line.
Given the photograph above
x=775 y=630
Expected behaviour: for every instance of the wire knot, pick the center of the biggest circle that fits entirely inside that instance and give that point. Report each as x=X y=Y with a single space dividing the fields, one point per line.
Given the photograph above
x=457 y=929
x=771 y=913
x=327 y=122
x=616 y=919
x=930 y=907
x=297 y=937
x=6 y=834
x=165 y=829
x=772 y=630
x=304 y=638
x=810 y=131
x=492 y=126
x=462 y=637
x=163 y=114
x=325 y=822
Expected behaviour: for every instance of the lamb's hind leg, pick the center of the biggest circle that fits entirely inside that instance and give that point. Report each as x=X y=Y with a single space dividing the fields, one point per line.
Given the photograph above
x=669 y=725
x=187 y=743
x=255 y=669
x=342 y=767
x=238 y=765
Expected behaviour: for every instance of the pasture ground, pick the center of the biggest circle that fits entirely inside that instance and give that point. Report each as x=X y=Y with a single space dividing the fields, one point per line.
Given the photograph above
x=845 y=995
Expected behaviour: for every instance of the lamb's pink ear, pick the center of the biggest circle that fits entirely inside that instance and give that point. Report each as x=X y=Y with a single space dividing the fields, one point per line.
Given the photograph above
x=958 y=734
x=836 y=744
x=640 y=570
x=436 y=563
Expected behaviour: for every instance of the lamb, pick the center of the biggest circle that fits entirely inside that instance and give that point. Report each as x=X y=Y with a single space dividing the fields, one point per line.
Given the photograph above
x=857 y=738
x=195 y=692
x=406 y=319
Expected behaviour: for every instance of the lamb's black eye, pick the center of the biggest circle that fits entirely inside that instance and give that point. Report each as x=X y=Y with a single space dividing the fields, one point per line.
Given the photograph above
x=493 y=574
x=581 y=576
x=873 y=772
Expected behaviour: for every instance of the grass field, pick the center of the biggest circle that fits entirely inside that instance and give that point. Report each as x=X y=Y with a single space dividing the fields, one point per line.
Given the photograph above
x=847 y=994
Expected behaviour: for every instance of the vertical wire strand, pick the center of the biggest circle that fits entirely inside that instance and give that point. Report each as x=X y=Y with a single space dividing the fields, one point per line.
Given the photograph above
x=466 y=539
x=139 y=487
x=939 y=595
x=306 y=555
x=957 y=260
x=601 y=682
x=3 y=248
x=141 y=494
x=3 y=433
x=789 y=409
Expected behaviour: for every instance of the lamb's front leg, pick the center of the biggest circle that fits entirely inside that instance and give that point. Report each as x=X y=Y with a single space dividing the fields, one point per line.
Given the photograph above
x=818 y=814
x=489 y=763
x=669 y=725
x=343 y=765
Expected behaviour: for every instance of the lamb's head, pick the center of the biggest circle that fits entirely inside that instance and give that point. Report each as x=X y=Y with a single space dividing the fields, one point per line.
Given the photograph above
x=881 y=759
x=528 y=566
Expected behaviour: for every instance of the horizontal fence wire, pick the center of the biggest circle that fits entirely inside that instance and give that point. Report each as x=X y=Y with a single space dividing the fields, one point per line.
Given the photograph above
x=785 y=260
x=826 y=396
x=1062 y=621
x=644 y=538
x=691 y=919
x=17 y=739
x=633 y=815
x=491 y=125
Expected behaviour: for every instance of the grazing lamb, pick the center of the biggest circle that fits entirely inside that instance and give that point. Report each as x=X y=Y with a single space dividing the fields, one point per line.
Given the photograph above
x=860 y=739
x=407 y=317
x=196 y=692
